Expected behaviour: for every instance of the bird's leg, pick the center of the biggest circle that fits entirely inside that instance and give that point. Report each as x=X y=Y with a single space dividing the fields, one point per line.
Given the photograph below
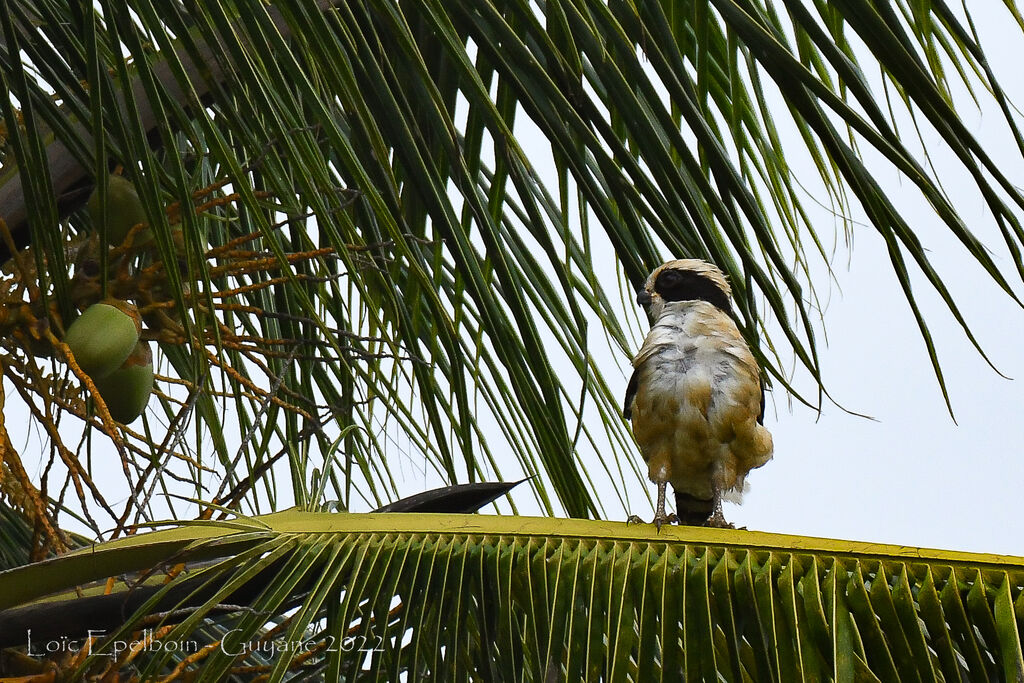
x=659 y=512
x=717 y=519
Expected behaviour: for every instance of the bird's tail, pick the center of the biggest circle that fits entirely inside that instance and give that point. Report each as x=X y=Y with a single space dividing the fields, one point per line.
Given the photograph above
x=693 y=511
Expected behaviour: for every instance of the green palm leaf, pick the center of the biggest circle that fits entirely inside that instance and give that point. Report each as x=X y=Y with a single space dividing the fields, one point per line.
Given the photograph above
x=454 y=597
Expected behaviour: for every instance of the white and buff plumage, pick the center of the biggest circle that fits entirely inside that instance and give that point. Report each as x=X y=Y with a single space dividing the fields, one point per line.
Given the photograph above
x=696 y=397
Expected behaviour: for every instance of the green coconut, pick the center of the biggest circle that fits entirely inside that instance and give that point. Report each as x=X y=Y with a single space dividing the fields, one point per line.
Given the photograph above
x=126 y=390
x=124 y=211
x=103 y=337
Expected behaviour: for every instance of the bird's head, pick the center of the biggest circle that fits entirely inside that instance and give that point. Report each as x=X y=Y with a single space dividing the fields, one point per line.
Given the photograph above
x=684 y=280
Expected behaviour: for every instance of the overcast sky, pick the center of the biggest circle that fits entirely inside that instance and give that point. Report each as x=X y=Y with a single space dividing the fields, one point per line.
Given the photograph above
x=913 y=477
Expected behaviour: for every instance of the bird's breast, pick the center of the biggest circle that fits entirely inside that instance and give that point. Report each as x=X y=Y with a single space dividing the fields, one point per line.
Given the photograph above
x=697 y=399
x=695 y=345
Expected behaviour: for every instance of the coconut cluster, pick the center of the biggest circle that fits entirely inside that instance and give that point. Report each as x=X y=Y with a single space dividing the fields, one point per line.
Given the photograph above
x=105 y=339
x=105 y=343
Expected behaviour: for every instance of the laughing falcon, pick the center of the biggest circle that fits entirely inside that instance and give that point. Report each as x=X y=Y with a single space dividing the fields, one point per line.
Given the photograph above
x=696 y=398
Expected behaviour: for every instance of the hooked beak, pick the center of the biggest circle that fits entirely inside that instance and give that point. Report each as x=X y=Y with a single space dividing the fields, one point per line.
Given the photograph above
x=643 y=298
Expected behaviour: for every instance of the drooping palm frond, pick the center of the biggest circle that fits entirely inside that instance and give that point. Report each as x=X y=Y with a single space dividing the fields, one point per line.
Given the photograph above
x=352 y=232
x=381 y=597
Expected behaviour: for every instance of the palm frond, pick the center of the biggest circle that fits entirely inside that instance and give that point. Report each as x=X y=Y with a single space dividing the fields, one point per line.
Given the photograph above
x=451 y=597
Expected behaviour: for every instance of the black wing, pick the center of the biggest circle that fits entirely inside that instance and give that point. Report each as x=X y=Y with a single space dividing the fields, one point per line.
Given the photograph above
x=627 y=405
x=760 y=418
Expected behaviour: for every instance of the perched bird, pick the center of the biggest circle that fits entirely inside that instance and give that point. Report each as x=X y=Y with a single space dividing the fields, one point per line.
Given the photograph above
x=696 y=397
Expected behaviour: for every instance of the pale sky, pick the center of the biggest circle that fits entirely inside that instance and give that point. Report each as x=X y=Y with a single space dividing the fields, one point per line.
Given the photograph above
x=911 y=476
x=914 y=477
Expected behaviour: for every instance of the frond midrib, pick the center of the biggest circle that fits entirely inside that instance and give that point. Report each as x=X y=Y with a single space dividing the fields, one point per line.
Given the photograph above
x=298 y=521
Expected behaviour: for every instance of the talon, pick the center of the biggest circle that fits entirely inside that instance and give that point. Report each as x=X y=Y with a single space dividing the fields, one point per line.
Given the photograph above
x=663 y=519
x=633 y=519
x=717 y=521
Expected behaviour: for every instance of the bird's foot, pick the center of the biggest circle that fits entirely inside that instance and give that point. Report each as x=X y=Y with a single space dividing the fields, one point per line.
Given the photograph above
x=659 y=510
x=664 y=519
x=717 y=521
x=657 y=521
